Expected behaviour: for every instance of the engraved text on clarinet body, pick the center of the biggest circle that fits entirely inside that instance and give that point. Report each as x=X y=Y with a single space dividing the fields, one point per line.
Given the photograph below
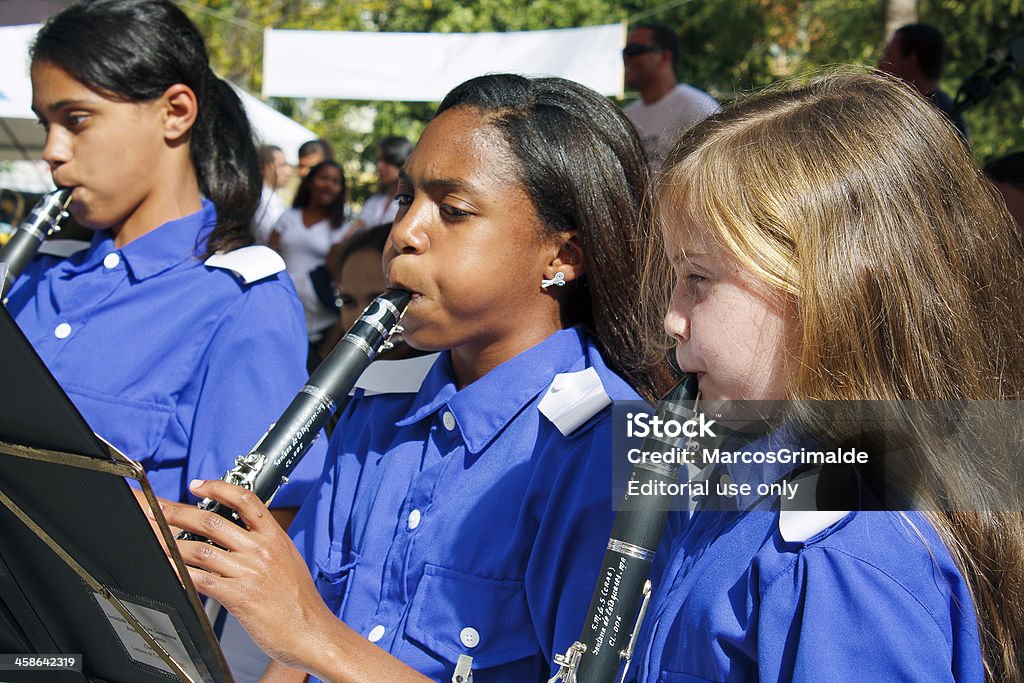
x=607 y=602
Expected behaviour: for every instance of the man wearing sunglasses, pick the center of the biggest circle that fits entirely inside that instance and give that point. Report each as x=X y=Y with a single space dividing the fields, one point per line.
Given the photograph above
x=665 y=106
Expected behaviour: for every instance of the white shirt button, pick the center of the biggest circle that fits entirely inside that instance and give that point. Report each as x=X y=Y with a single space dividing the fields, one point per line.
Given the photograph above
x=111 y=260
x=414 y=519
x=469 y=637
x=448 y=420
x=376 y=633
x=62 y=331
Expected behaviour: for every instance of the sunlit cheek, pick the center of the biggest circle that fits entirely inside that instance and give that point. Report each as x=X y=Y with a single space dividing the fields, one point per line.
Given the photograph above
x=767 y=356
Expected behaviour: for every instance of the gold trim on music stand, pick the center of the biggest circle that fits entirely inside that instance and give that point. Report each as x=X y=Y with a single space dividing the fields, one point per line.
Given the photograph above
x=122 y=466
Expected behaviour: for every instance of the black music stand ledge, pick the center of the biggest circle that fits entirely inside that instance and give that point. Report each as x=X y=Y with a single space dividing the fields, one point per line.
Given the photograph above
x=81 y=571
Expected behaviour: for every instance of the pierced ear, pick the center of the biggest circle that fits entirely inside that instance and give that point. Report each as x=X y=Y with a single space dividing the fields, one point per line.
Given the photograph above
x=180 y=111
x=569 y=260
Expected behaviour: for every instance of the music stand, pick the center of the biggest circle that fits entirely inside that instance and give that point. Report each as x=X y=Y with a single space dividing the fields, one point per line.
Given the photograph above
x=81 y=571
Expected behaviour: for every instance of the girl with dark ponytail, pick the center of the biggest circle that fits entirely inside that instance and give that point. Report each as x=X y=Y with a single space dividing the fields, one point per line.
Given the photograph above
x=178 y=340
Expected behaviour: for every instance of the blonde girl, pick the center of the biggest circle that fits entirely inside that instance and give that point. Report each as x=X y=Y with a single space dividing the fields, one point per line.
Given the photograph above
x=834 y=241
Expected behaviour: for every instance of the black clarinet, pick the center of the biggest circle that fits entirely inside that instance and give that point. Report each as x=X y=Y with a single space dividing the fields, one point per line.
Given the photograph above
x=620 y=598
x=267 y=466
x=43 y=221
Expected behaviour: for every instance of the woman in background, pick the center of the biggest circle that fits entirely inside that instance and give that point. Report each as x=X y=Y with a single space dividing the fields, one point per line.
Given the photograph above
x=304 y=236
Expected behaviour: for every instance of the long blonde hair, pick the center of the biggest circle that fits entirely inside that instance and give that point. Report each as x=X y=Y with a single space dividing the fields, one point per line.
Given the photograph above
x=854 y=198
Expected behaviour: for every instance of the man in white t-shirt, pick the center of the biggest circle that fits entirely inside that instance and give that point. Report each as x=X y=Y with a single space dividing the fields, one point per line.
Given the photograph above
x=276 y=172
x=665 y=106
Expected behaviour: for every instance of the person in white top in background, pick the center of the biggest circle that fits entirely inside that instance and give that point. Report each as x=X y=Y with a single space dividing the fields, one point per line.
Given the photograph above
x=276 y=172
x=381 y=207
x=304 y=236
x=665 y=106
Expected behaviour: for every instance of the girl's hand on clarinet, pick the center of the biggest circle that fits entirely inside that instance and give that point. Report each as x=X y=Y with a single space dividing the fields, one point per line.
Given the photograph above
x=255 y=572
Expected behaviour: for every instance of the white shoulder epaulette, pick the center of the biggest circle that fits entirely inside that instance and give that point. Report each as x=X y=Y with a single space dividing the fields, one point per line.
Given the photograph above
x=798 y=519
x=573 y=398
x=403 y=376
x=62 y=248
x=250 y=263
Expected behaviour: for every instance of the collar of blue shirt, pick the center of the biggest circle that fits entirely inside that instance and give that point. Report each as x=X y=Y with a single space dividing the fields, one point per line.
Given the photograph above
x=482 y=409
x=156 y=251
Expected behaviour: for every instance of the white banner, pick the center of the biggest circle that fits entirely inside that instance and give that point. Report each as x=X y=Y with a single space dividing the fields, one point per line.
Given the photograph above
x=423 y=67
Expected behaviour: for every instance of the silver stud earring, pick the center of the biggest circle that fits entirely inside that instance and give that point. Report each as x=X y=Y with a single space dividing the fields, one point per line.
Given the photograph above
x=558 y=280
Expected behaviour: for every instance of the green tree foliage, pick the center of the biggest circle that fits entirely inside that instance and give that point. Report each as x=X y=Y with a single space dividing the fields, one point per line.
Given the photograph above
x=729 y=47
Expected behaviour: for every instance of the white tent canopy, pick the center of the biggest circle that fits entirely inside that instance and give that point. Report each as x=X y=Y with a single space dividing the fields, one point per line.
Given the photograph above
x=21 y=135
x=18 y=126
x=423 y=67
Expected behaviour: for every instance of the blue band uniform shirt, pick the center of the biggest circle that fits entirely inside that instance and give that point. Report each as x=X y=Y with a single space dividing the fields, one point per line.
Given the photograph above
x=181 y=364
x=463 y=522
